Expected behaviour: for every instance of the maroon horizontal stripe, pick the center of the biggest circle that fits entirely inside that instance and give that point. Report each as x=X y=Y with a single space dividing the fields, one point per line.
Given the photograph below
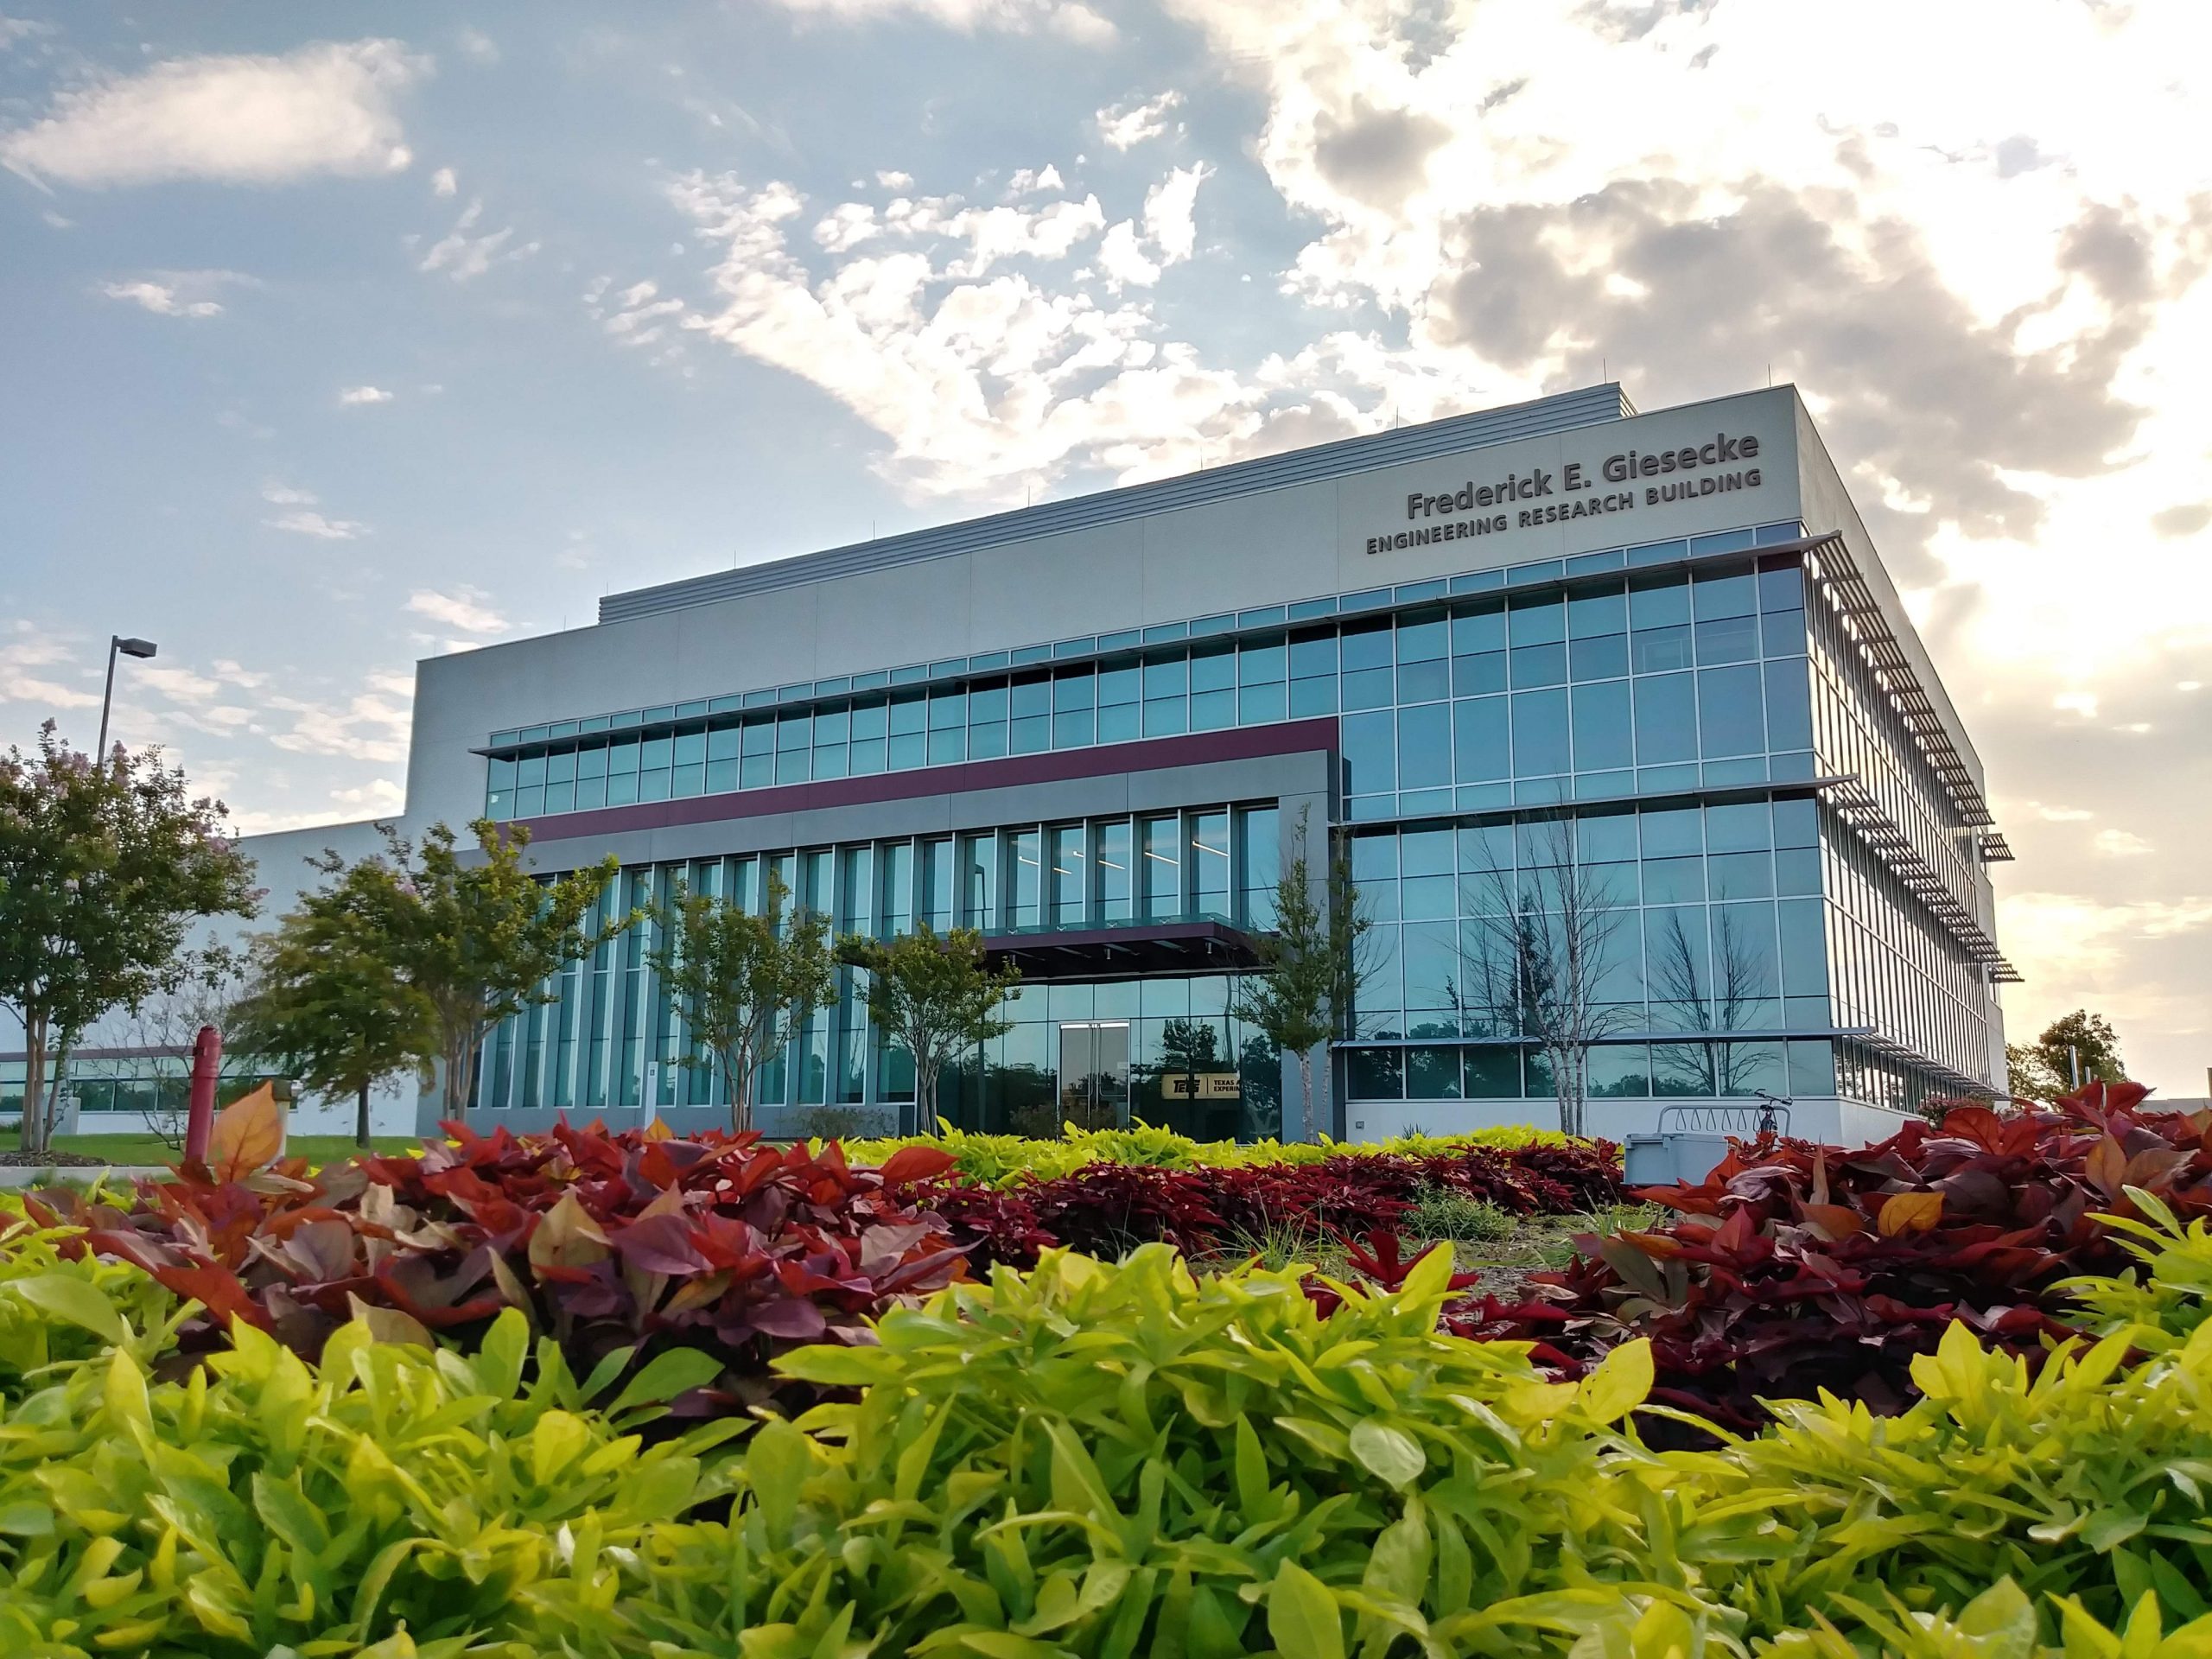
x=1057 y=766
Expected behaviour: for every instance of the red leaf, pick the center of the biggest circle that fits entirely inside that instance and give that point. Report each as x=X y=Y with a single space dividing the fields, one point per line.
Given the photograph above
x=660 y=1244
x=911 y=1163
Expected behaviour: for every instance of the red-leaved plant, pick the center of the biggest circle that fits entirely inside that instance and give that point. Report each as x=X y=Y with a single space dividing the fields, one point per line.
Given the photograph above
x=1794 y=1267
x=610 y=1242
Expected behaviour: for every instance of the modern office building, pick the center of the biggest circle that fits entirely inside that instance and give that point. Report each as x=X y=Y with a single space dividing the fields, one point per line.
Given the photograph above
x=1662 y=646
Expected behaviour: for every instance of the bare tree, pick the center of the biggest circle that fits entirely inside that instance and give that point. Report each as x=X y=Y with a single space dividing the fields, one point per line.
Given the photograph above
x=169 y=1023
x=1708 y=1000
x=1541 y=952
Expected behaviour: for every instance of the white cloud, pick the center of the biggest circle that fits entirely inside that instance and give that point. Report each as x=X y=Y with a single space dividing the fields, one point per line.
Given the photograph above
x=462 y=255
x=283 y=495
x=1122 y=256
x=638 y=315
x=1027 y=180
x=365 y=727
x=1169 y=212
x=326 y=108
x=22 y=29
x=895 y=181
x=351 y=397
x=315 y=524
x=378 y=797
x=980 y=383
x=2060 y=814
x=161 y=298
x=1066 y=18
x=1126 y=125
x=21 y=680
x=462 y=609
x=2120 y=843
x=478 y=46
x=443 y=183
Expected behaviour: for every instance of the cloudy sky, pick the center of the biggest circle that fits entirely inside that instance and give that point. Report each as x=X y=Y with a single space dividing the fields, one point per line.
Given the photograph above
x=328 y=351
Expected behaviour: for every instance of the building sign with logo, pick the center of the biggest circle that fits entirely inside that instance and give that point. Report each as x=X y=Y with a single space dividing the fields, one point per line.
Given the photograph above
x=1203 y=1086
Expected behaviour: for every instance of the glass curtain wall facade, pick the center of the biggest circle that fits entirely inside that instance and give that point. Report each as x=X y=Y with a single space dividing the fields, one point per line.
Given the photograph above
x=612 y=1038
x=1637 y=683
x=1675 y=718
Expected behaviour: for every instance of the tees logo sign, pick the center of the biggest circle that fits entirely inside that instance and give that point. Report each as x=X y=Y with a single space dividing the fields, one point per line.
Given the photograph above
x=1568 y=492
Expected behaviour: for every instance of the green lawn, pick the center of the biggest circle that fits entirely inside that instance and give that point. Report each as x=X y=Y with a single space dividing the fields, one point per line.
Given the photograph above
x=152 y=1149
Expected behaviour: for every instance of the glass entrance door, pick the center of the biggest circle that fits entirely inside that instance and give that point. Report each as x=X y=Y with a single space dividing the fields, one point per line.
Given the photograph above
x=1094 y=1073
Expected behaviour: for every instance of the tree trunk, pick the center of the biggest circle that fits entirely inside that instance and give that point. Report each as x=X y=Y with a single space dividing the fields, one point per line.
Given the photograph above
x=50 y=1113
x=31 y=1136
x=924 y=1098
x=361 y=1117
x=737 y=1082
x=1306 y=1089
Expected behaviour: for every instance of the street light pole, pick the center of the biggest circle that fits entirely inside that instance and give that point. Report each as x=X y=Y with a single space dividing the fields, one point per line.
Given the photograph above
x=117 y=644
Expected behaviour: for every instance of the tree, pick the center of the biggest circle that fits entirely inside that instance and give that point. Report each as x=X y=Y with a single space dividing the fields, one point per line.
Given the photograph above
x=1543 y=951
x=327 y=1002
x=742 y=982
x=2080 y=1048
x=937 y=995
x=2028 y=1076
x=1311 y=966
x=168 y=1023
x=478 y=940
x=104 y=865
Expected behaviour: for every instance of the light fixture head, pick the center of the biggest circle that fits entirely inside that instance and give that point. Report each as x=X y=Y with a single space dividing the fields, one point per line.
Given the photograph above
x=141 y=648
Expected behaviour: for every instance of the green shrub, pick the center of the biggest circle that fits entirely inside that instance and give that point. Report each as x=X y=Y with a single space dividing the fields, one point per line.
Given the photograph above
x=2088 y=1479
x=2165 y=1303
x=1001 y=1159
x=262 y=1503
x=53 y=1311
x=1127 y=1459
x=1442 y=1213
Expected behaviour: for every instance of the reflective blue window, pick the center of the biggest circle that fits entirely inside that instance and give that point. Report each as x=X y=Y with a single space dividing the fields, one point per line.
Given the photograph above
x=1665 y=719
x=1603 y=733
x=1482 y=740
x=1369 y=746
x=1540 y=734
x=1425 y=746
x=1730 y=718
x=1788 y=704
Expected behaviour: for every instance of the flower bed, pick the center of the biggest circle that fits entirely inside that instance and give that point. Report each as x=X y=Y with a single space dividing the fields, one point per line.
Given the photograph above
x=1091 y=1459
x=622 y=1241
x=1794 y=1269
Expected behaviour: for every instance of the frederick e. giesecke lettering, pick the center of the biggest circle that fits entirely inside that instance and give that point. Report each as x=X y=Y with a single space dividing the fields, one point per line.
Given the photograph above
x=1568 y=487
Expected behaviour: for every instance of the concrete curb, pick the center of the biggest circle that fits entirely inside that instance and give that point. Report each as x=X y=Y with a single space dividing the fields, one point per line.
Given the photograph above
x=37 y=1175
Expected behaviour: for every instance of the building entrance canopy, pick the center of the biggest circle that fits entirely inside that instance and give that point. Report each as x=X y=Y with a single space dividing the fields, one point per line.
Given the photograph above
x=1124 y=952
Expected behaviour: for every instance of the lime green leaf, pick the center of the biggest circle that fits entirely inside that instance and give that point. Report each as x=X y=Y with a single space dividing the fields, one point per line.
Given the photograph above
x=1620 y=1383
x=664 y=1376
x=73 y=1298
x=1388 y=1453
x=1303 y=1616
x=603 y=1374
